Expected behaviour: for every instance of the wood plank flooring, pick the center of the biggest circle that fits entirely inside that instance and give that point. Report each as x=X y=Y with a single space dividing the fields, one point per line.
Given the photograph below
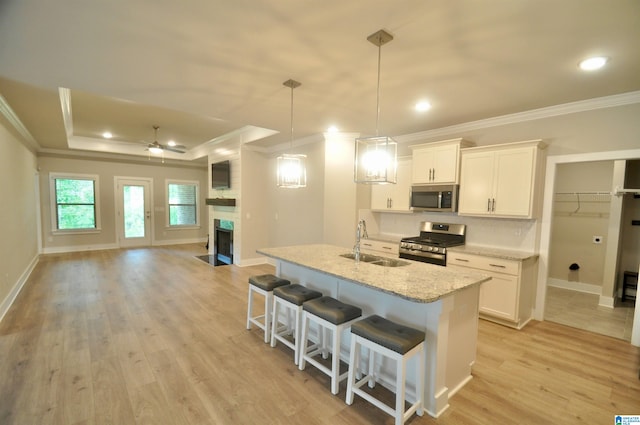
x=156 y=336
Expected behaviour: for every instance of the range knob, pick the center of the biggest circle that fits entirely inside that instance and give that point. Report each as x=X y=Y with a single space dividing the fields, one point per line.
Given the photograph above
x=427 y=248
x=415 y=246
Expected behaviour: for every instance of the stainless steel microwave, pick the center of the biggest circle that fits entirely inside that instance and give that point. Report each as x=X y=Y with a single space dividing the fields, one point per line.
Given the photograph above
x=442 y=198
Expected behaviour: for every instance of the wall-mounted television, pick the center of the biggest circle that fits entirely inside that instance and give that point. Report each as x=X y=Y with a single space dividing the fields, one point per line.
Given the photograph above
x=221 y=175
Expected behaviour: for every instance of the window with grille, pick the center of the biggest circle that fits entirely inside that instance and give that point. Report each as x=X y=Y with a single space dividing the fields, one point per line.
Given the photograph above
x=74 y=202
x=182 y=203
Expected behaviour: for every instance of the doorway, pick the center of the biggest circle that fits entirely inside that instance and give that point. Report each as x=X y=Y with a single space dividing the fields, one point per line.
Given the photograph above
x=545 y=235
x=133 y=211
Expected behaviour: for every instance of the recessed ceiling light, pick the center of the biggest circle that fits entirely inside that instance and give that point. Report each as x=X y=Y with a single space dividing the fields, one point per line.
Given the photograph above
x=171 y=143
x=594 y=63
x=107 y=135
x=423 y=106
x=332 y=129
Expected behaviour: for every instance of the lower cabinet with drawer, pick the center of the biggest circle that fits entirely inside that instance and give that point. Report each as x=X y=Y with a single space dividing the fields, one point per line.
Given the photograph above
x=376 y=246
x=509 y=296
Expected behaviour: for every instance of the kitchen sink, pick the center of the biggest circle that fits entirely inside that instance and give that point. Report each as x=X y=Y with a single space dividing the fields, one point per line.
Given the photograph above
x=377 y=260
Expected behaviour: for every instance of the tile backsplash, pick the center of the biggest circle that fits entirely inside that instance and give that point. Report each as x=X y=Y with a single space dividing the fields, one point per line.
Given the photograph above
x=491 y=232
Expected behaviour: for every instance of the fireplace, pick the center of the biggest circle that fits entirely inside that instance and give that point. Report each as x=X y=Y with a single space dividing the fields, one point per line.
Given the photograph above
x=222 y=242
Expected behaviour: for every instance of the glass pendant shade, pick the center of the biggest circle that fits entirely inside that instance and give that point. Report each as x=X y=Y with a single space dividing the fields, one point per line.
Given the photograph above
x=376 y=160
x=292 y=171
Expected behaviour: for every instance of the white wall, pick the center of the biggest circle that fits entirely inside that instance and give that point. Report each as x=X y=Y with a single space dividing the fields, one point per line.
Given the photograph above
x=18 y=210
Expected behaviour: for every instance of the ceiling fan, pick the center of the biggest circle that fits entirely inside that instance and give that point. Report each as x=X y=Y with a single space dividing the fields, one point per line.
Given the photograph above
x=157 y=148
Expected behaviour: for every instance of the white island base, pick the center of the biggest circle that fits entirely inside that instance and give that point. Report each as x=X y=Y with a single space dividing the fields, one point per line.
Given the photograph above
x=450 y=323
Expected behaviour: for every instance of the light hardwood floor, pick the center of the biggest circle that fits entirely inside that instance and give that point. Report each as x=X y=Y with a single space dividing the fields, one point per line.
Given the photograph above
x=155 y=336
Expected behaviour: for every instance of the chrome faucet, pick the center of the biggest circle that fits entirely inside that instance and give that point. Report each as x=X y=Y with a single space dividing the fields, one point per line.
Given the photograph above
x=361 y=232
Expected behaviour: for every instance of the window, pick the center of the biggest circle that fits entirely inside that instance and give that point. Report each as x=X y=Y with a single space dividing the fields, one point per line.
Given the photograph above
x=182 y=198
x=74 y=202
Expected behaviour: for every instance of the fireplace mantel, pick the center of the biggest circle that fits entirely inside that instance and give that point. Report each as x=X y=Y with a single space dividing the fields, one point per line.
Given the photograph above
x=221 y=202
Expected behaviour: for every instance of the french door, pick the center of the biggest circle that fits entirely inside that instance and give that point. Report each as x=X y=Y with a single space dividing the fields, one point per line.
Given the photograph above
x=133 y=211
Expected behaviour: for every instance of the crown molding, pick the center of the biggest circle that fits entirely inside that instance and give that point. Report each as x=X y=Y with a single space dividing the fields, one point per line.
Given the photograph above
x=121 y=158
x=534 y=114
x=15 y=122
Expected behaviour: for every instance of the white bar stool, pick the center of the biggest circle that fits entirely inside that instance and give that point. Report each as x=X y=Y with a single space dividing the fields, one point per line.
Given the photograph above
x=397 y=342
x=291 y=297
x=264 y=285
x=331 y=315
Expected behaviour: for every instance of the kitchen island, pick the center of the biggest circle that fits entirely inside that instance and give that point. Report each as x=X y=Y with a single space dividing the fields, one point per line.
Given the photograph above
x=441 y=302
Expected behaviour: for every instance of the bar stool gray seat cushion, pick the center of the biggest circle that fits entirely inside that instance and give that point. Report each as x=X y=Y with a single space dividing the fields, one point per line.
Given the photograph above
x=296 y=294
x=332 y=310
x=268 y=282
x=395 y=337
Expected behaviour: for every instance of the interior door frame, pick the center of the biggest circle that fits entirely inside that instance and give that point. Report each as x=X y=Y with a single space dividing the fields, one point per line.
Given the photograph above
x=119 y=223
x=547 y=217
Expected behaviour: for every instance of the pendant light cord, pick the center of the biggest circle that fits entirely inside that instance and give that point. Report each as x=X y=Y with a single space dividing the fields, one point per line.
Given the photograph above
x=292 y=116
x=378 y=91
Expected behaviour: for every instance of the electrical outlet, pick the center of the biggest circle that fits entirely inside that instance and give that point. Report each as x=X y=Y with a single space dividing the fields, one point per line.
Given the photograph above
x=597 y=239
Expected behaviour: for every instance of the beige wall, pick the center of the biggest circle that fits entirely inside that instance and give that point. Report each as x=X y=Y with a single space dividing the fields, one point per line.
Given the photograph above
x=18 y=213
x=577 y=218
x=295 y=216
x=107 y=170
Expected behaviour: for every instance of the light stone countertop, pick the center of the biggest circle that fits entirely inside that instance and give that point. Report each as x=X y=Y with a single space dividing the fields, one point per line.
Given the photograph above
x=418 y=282
x=505 y=254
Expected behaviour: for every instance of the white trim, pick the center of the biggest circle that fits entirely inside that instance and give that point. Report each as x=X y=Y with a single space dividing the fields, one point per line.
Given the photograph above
x=14 y=120
x=52 y=202
x=195 y=183
x=587 y=288
x=79 y=248
x=534 y=114
x=607 y=302
x=119 y=208
x=13 y=293
x=180 y=241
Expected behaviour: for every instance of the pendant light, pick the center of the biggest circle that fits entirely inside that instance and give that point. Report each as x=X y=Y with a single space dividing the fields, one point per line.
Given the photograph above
x=376 y=157
x=292 y=171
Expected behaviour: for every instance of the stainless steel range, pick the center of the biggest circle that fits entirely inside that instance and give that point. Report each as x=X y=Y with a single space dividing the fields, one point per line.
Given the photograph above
x=431 y=246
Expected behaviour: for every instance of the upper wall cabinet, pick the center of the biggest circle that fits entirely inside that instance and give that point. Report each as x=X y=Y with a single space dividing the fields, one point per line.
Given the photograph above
x=502 y=180
x=437 y=162
x=394 y=197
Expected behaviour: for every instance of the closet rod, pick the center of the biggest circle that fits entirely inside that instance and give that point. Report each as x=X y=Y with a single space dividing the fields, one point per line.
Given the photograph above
x=620 y=192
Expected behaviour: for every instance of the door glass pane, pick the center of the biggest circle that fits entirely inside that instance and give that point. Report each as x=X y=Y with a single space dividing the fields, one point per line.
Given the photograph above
x=133 y=211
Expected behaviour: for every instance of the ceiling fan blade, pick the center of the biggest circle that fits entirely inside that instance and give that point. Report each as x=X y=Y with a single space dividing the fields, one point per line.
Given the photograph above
x=176 y=149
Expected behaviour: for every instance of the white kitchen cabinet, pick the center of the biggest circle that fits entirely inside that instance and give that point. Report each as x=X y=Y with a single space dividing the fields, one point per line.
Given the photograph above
x=508 y=297
x=394 y=197
x=502 y=180
x=437 y=162
x=377 y=246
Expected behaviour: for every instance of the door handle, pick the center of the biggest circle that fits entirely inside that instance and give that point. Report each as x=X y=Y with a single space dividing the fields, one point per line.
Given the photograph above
x=488 y=204
x=493 y=205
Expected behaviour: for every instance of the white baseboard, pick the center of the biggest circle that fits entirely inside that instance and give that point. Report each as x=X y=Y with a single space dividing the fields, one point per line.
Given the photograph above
x=11 y=296
x=179 y=241
x=79 y=248
x=588 y=288
x=575 y=286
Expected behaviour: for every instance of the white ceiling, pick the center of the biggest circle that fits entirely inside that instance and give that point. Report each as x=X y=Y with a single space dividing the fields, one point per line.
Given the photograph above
x=206 y=70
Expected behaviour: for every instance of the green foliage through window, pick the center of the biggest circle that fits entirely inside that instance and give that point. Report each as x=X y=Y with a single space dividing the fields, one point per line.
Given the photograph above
x=182 y=204
x=75 y=204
